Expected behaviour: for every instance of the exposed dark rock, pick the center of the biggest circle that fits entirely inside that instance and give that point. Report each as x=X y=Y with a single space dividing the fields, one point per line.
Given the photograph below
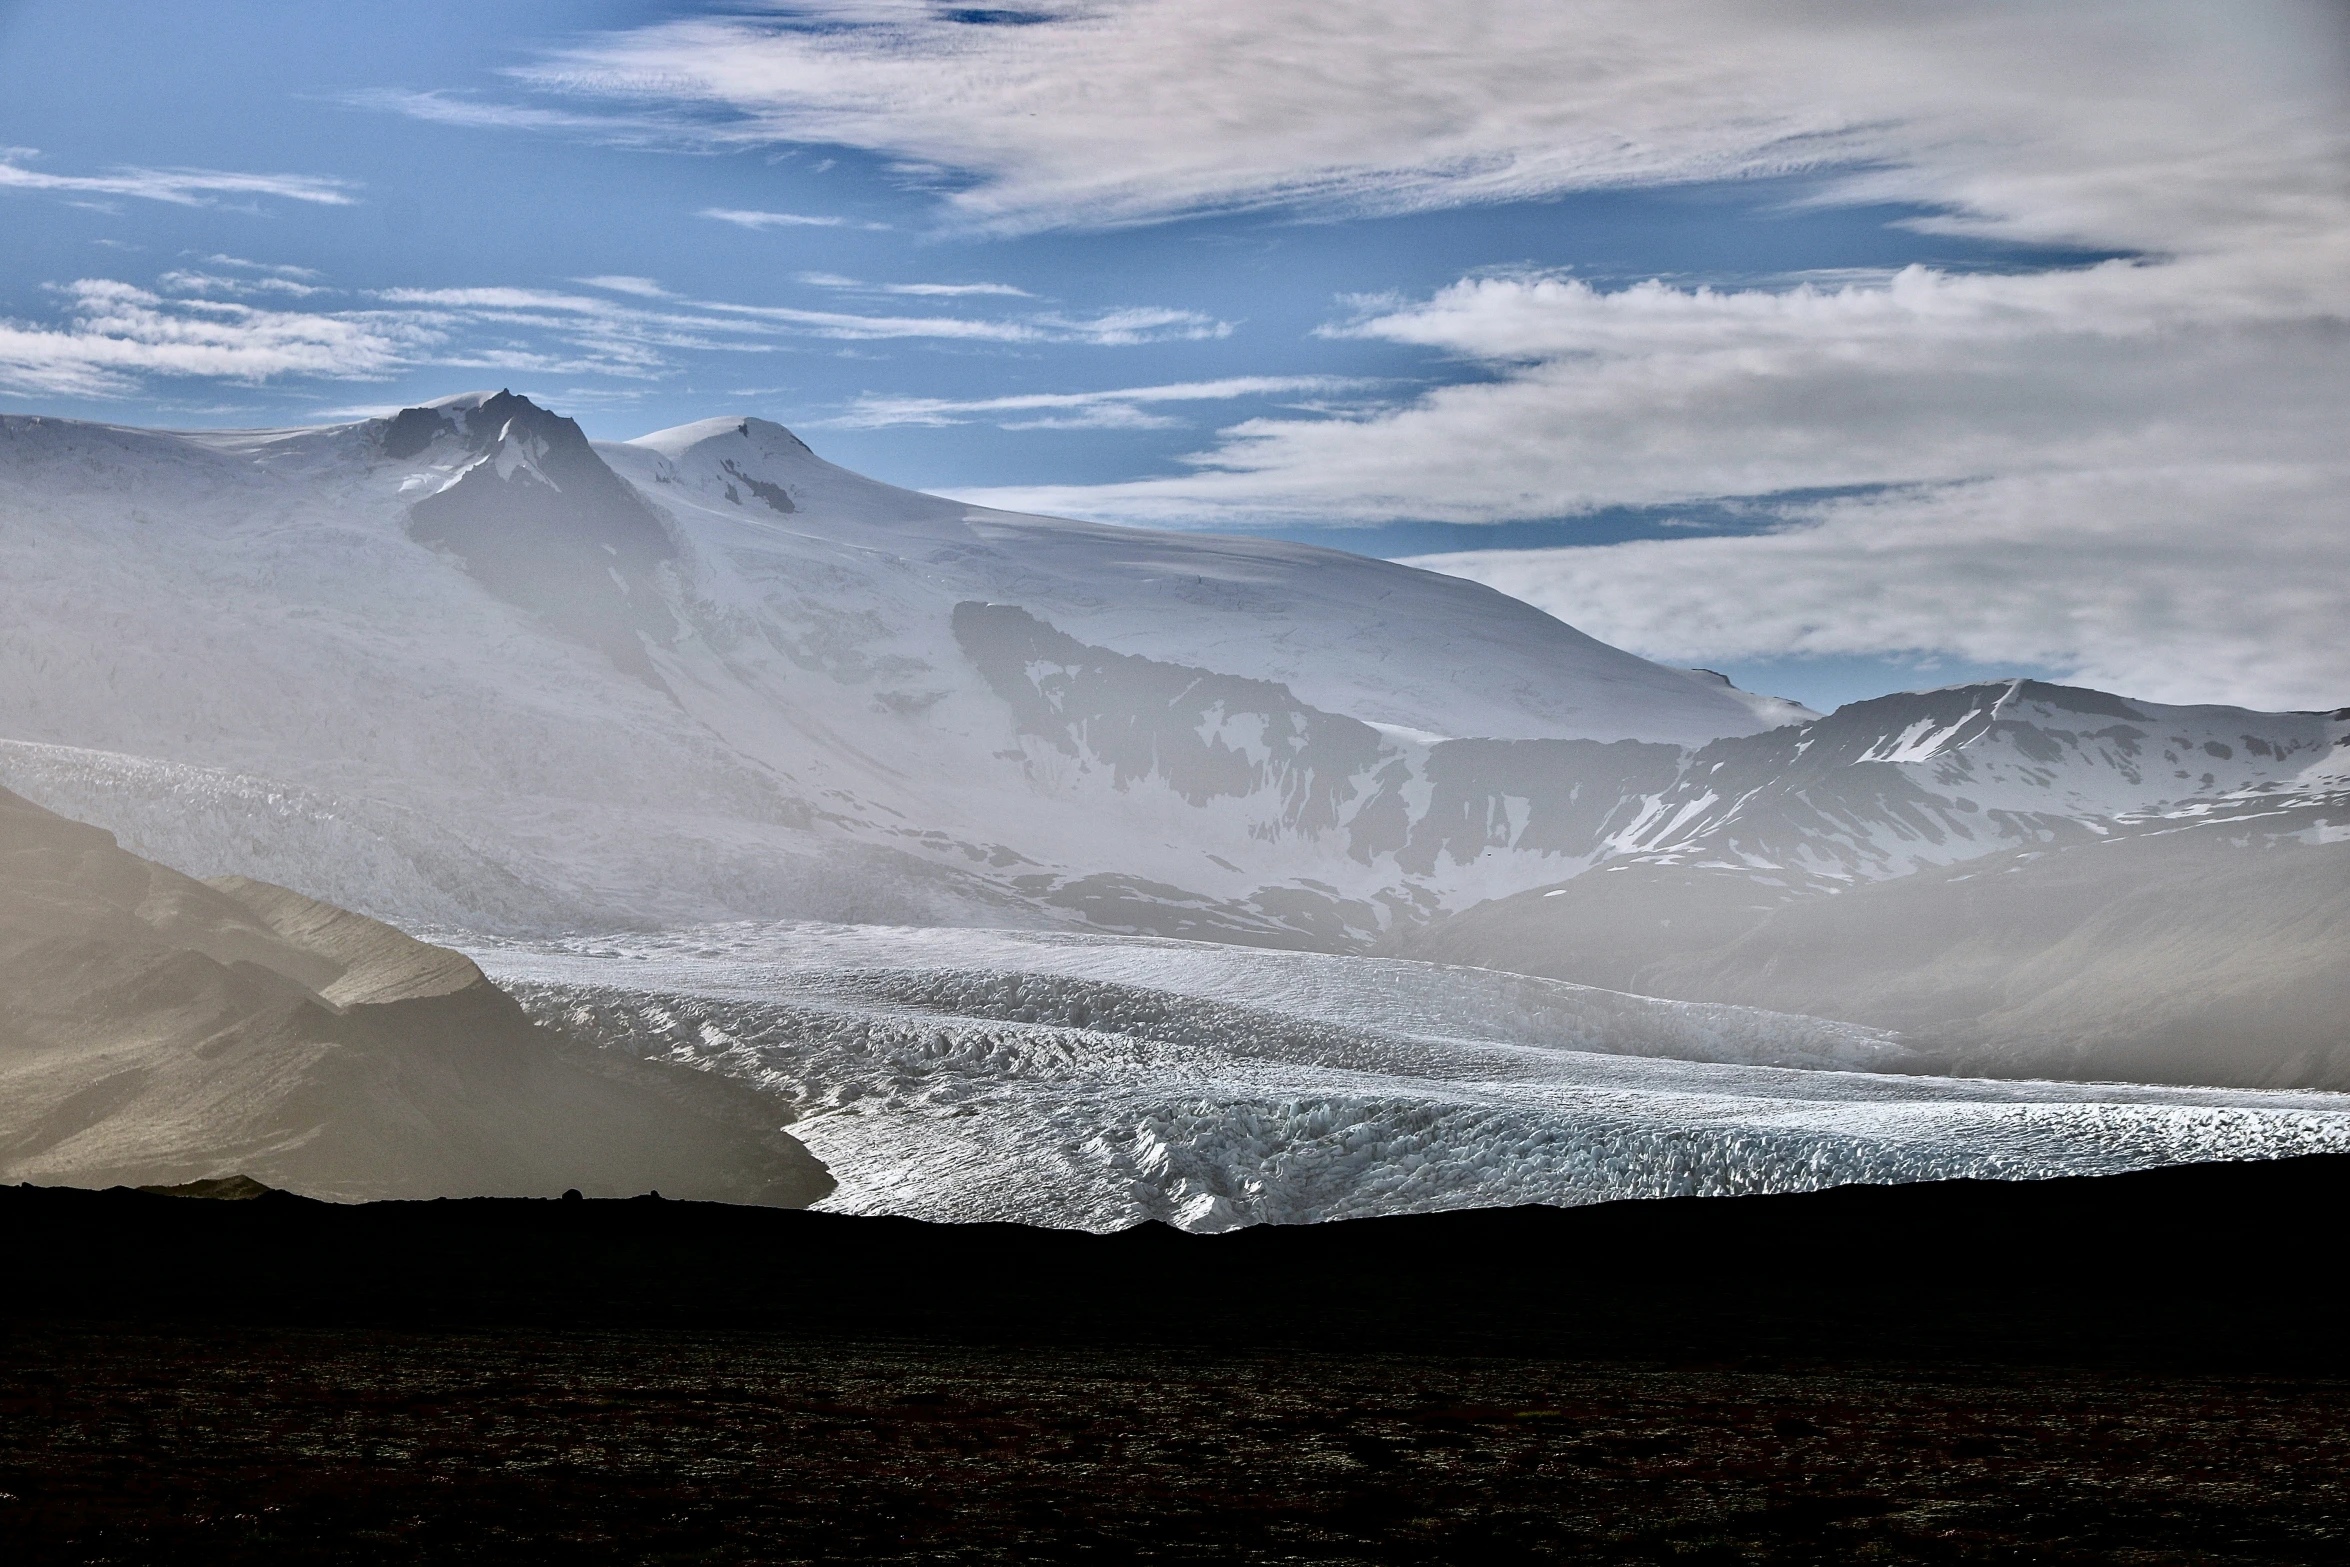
x=226 y=1188
x=776 y=497
x=1145 y=719
x=541 y=522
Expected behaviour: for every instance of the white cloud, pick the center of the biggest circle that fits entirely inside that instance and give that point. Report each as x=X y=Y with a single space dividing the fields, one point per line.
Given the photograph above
x=357 y=411
x=442 y=108
x=2106 y=112
x=181 y=187
x=918 y=290
x=2132 y=471
x=111 y=334
x=742 y=218
x=184 y=282
x=1112 y=328
x=114 y=334
x=954 y=290
x=2174 y=418
x=708 y=323
x=1655 y=395
x=1119 y=408
x=272 y=268
x=2202 y=583
x=641 y=287
x=1100 y=416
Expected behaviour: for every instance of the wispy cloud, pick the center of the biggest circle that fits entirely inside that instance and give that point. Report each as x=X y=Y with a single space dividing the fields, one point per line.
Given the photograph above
x=109 y=334
x=271 y=268
x=917 y=290
x=446 y=108
x=187 y=282
x=181 y=187
x=1203 y=104
x=549 y=332
x=641 y=287
x=746 y=219
x=1118 y=408
x=113 y=335
x=707 y=323
x=357 y=411
x=1109 y=329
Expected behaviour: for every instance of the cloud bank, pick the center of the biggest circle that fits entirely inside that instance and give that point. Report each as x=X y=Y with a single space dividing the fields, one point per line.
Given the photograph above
x=2129 y=469
x=2104 y=116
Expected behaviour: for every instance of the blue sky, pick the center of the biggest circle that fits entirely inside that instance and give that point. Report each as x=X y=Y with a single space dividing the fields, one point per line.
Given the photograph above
x=1607 y=310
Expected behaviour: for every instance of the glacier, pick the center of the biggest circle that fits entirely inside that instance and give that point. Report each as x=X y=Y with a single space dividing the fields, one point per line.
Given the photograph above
x=1096 y=1082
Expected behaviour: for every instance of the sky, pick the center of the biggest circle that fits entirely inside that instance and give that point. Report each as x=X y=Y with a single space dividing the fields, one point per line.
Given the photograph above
x=1842 y=347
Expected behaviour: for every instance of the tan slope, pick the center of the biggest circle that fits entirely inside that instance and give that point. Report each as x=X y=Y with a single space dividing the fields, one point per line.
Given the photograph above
x=159 y=1029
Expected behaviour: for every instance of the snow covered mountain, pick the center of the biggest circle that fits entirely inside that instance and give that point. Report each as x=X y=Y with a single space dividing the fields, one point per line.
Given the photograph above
x=468 y=669
x=1883 y=787
x=465 y=668
x=2022 y=879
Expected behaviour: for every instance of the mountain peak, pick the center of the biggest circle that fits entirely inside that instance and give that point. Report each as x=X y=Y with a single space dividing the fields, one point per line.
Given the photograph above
x=539 y=519
x=465 y=401
x=482 y=421
x=748 y=461
x=764 y=437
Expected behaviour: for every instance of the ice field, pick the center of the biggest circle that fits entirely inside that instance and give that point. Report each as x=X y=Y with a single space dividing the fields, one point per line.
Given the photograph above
x=1097 y=1081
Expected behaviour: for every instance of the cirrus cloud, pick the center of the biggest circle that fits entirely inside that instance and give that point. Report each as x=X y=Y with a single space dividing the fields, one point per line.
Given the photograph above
x=179 y=187
x=1119 y=408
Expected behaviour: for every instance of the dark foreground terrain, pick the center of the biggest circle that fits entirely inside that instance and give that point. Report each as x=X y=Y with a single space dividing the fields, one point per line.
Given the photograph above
x=347 y=1445
x=2143 y=1368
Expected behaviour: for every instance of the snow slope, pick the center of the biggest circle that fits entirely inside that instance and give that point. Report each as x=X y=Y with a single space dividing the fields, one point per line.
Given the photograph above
x=475 y=671
x=539 y=683
x=1094 y=1082
x=1361 y=638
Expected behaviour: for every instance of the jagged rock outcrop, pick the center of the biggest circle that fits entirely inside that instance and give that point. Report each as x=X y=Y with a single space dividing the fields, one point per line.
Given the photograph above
x=539 y=520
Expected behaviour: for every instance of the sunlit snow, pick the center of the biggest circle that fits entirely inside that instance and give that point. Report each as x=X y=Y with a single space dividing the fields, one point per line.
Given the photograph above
x=1095 y=1082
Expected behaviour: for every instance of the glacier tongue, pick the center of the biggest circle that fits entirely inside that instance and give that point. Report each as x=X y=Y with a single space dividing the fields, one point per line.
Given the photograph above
x=1097 y=1082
